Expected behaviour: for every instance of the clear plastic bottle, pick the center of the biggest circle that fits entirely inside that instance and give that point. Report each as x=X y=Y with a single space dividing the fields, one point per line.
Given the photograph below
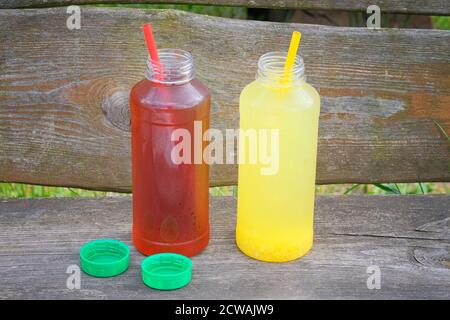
x=275 y=211
x=170 y=200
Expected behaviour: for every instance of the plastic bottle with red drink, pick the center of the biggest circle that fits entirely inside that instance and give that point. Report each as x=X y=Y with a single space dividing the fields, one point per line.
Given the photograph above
x=170 y=199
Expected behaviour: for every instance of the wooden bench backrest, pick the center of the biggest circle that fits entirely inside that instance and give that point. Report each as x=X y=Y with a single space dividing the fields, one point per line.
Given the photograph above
x=64 y=114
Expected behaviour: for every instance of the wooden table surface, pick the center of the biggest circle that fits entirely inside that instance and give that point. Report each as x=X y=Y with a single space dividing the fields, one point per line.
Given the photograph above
x=406 y=237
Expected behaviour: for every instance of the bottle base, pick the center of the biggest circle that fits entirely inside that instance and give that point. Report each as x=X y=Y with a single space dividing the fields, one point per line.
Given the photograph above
x=272 y=252
x=188 y=248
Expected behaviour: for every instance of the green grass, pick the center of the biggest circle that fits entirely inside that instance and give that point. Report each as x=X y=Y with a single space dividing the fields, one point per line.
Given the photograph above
x=442 y=23
x=397 y=188
x=19 y=190
x=369 y=189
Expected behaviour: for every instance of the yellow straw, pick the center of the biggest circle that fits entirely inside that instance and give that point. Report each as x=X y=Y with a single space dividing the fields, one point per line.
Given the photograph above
x=292 y=53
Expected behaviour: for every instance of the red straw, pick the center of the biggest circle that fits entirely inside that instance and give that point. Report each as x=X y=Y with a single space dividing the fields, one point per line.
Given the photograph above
x=151 y=46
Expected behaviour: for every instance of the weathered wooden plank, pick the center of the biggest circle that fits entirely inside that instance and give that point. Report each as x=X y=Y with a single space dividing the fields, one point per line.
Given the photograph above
x=407 y=237
x=430 y=7
x=64 y=94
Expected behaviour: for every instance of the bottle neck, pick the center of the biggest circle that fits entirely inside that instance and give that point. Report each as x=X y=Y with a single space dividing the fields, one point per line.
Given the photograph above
x=175 y=66
x=271 y=70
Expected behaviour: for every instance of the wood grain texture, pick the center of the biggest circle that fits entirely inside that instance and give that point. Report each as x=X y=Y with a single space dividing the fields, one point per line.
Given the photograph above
x=429 y=7
x=64 y=114
x=407 y=237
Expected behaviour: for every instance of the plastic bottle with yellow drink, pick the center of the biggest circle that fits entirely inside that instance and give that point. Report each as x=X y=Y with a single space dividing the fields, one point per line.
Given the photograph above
x=275 y=210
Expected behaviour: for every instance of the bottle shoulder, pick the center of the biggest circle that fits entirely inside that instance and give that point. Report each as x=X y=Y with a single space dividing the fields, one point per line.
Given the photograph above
x=312 y=95
x=155 y=95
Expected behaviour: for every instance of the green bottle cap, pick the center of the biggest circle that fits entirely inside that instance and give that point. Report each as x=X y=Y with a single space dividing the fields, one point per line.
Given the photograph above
x=104 y=258
x=166 y=271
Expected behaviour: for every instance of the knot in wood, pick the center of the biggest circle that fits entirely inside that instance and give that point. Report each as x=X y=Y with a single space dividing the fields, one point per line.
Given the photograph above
x=116 y=108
